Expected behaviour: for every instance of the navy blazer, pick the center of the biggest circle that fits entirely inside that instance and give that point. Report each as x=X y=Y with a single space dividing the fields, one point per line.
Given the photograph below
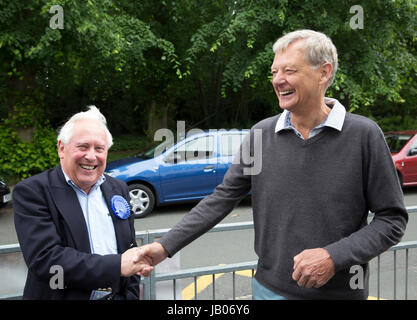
x=51 y=229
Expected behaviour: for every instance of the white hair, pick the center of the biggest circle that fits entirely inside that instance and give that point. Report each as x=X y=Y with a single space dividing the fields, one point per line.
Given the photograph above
x=318 y=49
x=65 y=133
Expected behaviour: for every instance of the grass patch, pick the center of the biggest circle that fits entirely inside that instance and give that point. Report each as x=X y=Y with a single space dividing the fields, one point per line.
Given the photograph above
x=116 y=155
x=129 y=142
x=125 y=146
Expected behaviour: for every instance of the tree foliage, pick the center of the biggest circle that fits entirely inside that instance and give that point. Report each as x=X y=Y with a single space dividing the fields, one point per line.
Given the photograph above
x=205 y=62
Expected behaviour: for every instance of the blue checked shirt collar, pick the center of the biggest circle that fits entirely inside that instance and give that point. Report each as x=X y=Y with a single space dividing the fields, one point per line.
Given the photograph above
x=99 y=182
x=335 y=119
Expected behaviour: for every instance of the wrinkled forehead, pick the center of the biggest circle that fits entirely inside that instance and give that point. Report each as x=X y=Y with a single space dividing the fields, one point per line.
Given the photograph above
x=292 y=55
x=298 y=44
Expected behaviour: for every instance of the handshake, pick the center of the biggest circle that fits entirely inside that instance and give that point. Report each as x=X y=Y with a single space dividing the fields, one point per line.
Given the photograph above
x=141 y=260
x=312 y=267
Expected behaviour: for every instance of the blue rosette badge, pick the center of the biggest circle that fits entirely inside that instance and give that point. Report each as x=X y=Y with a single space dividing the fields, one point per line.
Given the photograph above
x=120 y=207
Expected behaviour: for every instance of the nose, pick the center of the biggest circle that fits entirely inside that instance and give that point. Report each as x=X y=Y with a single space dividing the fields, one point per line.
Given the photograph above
x=278 y=78
x=90 y=154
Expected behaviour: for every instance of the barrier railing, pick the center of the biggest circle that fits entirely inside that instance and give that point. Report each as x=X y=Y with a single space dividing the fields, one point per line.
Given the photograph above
x=149 y=284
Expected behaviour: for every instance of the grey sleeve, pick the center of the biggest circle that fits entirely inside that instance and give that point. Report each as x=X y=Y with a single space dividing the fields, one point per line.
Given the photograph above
x=212 y=209
x=384 y=198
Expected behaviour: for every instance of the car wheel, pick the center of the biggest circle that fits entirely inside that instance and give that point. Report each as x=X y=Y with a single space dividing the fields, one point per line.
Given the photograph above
x=142 y=200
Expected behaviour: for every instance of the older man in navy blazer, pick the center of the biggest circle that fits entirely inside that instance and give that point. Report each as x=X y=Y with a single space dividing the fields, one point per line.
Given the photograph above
x=74 y=223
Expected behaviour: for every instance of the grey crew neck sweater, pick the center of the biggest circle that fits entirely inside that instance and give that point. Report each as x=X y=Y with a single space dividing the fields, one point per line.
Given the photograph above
x=313 y=193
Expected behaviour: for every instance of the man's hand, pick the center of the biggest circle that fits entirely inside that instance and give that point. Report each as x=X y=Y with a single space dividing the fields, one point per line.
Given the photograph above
x=313 y=268
x=154 y=253
x=133 y=262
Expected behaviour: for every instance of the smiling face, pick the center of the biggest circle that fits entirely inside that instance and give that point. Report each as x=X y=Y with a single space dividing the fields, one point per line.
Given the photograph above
x=83 y=158
x=296 y=84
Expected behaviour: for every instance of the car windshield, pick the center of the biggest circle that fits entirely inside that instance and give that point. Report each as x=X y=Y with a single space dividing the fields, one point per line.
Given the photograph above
x=157 y=150
x=397 y=141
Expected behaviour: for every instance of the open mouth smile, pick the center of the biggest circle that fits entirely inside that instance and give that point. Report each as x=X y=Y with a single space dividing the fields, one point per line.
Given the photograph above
x=86 y=167
x=286 y=93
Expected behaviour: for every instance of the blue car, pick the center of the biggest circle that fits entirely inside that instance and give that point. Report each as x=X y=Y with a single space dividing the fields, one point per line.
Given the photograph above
x=173 y=173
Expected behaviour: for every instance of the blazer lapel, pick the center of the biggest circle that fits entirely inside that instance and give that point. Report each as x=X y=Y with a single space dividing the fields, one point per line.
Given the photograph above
x=122 y=234
x=68 y=205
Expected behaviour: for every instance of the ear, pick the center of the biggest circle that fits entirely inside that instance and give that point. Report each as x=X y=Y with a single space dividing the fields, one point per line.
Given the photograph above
x=61 y=147
x=325 y=73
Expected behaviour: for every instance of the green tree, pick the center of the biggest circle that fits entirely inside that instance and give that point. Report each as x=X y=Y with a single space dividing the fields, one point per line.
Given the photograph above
x=148 y=63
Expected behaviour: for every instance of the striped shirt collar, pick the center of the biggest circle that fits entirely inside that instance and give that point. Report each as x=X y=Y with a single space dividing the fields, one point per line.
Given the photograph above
x=335 y=119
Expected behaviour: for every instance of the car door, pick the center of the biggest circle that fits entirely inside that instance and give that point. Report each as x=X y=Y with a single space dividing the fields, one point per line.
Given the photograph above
x=229 y=145
x=188 y=171
x=410 y=164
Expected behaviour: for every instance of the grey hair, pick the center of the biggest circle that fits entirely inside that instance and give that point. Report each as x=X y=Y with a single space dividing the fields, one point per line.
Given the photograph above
x=318 y=49
x=65 y=133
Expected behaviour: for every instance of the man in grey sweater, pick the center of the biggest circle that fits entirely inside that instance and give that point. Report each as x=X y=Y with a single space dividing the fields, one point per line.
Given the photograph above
x=322 y=171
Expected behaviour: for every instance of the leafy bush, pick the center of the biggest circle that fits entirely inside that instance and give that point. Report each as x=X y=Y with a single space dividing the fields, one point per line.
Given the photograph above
x=23 y=159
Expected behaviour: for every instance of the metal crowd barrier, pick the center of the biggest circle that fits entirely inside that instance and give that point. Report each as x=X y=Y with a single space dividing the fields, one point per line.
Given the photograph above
x=149 y=284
